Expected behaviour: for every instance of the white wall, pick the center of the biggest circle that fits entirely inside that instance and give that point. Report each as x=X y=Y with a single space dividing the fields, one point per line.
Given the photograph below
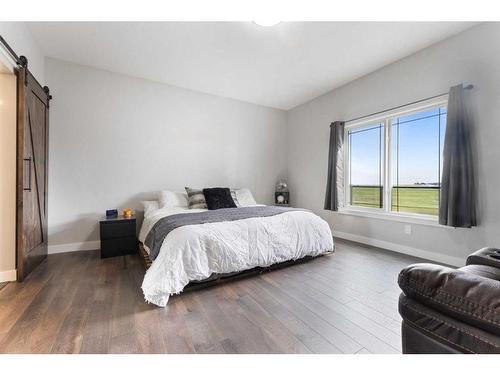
x=22 y=42
x=470 y=57
x=115 y=140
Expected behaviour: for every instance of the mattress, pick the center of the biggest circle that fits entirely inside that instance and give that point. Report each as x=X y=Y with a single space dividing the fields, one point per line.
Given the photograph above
x=195 y=252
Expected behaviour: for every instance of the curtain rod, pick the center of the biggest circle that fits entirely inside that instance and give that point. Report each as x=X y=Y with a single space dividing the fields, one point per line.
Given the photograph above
x=468 y=87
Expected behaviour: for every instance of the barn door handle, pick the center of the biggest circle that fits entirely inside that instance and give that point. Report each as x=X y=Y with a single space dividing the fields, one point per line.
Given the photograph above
x=29 y=174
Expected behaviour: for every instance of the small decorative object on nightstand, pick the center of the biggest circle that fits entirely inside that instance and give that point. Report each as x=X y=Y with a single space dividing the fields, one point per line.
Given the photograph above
x=118 y=236
x=111 y=214
x=282 y=195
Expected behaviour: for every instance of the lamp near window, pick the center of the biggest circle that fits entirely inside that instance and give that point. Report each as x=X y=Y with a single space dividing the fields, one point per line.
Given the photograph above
x=282 y=194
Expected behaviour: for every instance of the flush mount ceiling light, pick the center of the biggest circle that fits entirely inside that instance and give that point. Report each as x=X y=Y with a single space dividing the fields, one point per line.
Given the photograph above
x=266 y=23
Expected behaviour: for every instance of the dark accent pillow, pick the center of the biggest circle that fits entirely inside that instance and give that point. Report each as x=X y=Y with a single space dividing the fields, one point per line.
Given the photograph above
x=218 y=198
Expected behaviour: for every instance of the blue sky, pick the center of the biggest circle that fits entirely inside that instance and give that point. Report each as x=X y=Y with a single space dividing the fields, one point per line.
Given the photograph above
x=420 y=143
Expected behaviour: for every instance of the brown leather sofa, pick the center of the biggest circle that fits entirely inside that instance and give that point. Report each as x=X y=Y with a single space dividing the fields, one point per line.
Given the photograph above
x=448 y=310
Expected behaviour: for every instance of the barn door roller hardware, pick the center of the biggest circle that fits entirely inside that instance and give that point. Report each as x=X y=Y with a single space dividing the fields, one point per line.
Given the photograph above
x=21 y=61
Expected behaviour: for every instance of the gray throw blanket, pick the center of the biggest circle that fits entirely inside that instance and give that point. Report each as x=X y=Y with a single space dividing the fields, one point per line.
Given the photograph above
x=164 y=226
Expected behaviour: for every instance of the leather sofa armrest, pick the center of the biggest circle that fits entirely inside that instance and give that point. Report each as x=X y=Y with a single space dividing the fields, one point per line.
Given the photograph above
x=487 y=256
x=466 y=297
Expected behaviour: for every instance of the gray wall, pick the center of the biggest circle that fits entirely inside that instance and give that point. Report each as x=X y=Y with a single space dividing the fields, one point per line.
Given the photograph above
x=470 y=57
x=115 y=140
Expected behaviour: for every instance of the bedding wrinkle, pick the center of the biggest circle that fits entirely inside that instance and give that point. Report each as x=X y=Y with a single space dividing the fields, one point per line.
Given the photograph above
x=195 y=252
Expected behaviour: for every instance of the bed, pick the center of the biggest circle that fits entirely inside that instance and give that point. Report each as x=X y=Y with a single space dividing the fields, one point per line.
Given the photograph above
x=184 y=247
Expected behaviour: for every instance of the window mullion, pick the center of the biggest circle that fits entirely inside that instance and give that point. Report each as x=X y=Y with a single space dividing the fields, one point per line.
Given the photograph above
x=387 y=166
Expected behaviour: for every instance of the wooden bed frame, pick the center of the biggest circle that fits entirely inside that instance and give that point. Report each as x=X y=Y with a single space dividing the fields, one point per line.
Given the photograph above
x=221 y=278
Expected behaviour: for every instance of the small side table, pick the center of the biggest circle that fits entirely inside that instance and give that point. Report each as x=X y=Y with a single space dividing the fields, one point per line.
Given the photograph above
x=118 y=236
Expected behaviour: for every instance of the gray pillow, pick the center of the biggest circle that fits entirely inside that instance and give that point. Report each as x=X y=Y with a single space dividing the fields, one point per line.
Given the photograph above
x=196 y=198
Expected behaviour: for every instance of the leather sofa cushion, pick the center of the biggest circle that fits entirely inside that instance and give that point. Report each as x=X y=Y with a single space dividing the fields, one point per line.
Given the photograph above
x=462 y=293
x=450 y=332
x=483 y=271
x=488 y=256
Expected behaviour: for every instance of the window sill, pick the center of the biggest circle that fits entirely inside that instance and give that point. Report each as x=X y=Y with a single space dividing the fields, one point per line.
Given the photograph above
x=401 y=218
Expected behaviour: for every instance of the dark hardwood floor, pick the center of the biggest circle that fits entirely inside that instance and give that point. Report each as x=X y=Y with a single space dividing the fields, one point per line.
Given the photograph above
x=78 y=303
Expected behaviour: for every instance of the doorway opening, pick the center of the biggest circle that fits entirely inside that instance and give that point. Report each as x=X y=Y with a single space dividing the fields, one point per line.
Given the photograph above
x=8 y=144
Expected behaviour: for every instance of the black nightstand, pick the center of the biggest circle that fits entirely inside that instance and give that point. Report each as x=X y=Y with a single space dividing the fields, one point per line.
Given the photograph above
x=118 y=237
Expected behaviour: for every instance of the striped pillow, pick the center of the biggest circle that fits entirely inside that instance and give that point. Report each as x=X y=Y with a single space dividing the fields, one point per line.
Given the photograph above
x=235 y=198
x=196 y=198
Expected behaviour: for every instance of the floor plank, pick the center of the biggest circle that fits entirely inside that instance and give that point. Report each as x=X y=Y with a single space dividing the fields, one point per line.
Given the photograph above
x=344 y=320
x=78 y=303
x=311 y=338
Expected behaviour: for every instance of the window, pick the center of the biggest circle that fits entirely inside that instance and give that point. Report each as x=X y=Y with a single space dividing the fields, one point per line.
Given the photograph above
x=366 y=165
x=394 y=161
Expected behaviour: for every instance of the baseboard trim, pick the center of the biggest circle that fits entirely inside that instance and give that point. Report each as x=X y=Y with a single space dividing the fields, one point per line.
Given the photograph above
x=419 y=253
x=9 y=275
x=75 y=246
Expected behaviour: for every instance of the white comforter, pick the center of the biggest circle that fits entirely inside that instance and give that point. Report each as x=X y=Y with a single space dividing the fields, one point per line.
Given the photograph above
x=194 y=252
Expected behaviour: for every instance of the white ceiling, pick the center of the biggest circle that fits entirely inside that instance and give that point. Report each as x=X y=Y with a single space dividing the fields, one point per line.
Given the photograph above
x=280 y=66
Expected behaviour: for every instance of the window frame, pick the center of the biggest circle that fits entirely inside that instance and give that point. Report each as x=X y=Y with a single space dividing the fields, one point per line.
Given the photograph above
x=385 y=118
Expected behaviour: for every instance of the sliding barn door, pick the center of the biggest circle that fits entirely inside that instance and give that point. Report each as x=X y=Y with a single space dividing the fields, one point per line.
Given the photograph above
x=32 y=158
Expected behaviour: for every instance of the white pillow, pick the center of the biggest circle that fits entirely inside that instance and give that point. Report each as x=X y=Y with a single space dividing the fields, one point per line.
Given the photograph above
x=245 y=197
x=149 y=206
x=169 y=198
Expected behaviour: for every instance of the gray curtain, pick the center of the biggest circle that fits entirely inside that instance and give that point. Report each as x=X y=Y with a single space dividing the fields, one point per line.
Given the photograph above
x=335 y=184
x=457 y=206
